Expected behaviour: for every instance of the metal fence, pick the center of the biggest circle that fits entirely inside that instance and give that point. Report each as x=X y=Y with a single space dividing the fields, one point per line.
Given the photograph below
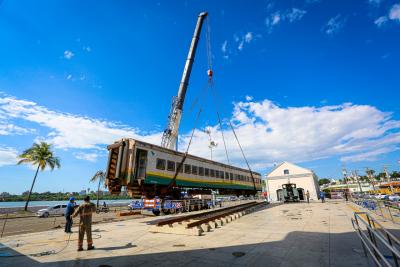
x=388 y=210
x=379 y=244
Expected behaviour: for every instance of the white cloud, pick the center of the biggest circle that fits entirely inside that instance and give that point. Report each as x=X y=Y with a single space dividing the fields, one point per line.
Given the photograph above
x=248 y=37
x=87 y=48
x=268 y=133
x=295 y=14
x=394 y=13
x=92 y=157
x=8 y=156
x=68 y=54
x=224 y=46
x=381 y=21
x=11 y=129
x=370 y=155
x=243 y=39
x=68 y=130
x=290 y=15
x=334 y=25
x=69 y=76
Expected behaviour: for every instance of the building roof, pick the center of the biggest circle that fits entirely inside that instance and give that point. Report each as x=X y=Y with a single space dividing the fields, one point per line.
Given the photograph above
x=288 y=163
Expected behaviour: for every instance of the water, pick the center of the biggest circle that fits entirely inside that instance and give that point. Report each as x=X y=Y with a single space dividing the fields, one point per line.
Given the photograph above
x=19 y=204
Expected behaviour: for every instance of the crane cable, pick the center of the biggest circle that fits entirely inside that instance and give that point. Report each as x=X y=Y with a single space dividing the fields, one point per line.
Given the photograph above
x=215 y=94
x=210 y=80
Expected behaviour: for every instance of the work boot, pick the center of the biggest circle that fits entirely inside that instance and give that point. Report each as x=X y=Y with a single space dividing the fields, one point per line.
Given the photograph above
x=80 y=249
x=90 y=247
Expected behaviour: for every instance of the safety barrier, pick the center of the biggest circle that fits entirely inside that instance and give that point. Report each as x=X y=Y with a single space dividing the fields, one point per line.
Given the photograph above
x=388 y=210
x=378 y=243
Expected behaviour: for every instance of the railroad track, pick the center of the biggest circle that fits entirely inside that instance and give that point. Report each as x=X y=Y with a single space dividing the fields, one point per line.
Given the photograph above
x=196 y=224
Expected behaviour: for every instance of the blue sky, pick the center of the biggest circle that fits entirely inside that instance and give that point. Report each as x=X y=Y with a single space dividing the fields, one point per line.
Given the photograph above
x=312 y=82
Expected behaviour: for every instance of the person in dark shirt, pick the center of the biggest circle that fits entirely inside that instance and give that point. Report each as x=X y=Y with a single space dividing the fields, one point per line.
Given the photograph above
x=68 y=212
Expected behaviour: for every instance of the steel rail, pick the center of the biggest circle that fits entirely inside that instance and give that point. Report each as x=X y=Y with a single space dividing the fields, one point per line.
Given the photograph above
x=197 y=215
x=222 y=214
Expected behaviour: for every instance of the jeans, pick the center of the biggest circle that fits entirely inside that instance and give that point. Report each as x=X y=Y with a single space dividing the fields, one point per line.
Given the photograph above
x=68 y=224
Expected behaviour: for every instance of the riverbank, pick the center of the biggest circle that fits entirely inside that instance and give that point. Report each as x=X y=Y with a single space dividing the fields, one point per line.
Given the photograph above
x=16 y=207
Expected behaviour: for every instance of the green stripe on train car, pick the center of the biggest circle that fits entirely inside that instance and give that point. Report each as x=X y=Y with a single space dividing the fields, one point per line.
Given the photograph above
x=154 y=179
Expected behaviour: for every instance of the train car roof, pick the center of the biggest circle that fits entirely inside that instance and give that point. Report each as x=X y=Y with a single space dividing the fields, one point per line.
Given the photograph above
x=189 y=156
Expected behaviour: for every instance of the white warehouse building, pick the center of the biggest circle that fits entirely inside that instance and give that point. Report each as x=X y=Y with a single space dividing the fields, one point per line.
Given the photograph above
x=286 y=172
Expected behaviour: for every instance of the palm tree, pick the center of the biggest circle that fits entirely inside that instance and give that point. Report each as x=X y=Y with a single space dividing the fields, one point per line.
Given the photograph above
x=101 y=177
x=39 y=154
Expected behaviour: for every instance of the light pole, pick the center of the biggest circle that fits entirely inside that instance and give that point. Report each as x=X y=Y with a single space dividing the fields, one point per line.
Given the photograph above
x=212 y=144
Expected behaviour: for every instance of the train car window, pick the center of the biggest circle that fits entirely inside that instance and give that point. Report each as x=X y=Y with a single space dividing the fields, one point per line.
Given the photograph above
x=216 y=174
x=201 y=171
x=194 y=170
x=221 y=174
x=226 y=176
x=171 y=166
x=231 y=176
x=187 y=168
x=160 y=164
x=212 y=173
x=180 y=170
x=206 y=172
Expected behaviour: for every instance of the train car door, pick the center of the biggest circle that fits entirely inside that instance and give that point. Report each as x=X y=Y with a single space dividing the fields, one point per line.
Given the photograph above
x=140 y=164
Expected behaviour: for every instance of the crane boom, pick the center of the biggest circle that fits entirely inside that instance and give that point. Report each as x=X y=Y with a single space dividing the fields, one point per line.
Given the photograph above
x=170 y=135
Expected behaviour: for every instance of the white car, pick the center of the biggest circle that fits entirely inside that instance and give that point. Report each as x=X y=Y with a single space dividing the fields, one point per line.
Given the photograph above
x=380 y=196
x=52 y=210
x=394 y=198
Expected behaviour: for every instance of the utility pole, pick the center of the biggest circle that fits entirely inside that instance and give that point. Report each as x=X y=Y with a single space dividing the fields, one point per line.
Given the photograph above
x=370 y=178
x=388 y=178
x=357 y=179
x=344 y=173
x=211 y=144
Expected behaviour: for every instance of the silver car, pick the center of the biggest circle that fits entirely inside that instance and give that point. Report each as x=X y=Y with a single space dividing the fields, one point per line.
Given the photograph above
x=52 y=210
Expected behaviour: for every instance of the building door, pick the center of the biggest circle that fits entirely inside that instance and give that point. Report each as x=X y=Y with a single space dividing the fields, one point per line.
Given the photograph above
x=301 y=193
x=279 y=194
x=141 y=163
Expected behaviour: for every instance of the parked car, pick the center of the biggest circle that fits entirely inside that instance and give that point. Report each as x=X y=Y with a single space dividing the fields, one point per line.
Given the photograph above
x=380 y=196
x=52 y=210
x=394 y=198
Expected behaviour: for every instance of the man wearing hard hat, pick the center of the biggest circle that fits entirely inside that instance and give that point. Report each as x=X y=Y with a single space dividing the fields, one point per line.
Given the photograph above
x=68 y=212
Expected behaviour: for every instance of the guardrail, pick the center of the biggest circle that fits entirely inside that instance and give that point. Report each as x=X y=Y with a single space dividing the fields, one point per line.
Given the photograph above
x=388 y=210
x=377 y=242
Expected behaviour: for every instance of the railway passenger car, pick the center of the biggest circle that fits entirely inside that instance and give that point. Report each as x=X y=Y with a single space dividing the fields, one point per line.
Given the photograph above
x=149 y=170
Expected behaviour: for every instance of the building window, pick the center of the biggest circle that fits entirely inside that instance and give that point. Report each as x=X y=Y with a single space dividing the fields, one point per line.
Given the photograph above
x=194 y=170
x=160 y=164
x=187 y=168
x=285 y=172
x=201 y=171
x=171 y=166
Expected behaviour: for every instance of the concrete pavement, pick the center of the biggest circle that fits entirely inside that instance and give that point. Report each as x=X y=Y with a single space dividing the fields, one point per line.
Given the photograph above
x=315 y=234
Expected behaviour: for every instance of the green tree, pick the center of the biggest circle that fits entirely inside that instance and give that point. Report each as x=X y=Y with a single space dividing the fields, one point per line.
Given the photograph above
x=40 y=155
x=101 y=177
x=324 y=181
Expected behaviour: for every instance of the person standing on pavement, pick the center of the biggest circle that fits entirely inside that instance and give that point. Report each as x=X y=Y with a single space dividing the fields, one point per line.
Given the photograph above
x=68 y=212
x=322 y=196
x=308 y=196
x=85 y=211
